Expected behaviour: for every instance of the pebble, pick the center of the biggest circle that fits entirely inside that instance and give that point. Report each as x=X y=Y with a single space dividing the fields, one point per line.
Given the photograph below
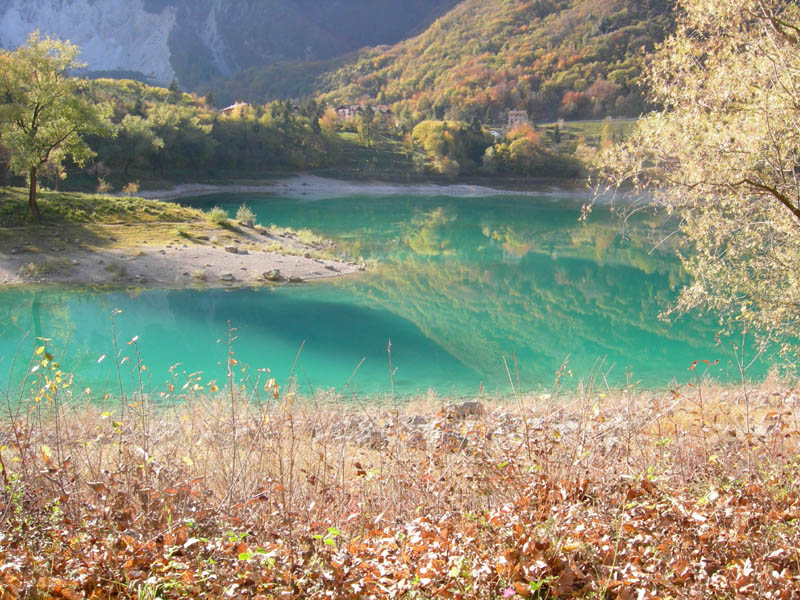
x=227 y=277
x=232 y=249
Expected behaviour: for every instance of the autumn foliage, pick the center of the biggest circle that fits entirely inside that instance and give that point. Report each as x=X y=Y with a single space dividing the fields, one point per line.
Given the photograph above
x=553 y=58
x=692 y=493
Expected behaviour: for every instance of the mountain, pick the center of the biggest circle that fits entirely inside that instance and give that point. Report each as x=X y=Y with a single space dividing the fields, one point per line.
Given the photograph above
x=553 y=58
x=425 y=58
x=194 y=41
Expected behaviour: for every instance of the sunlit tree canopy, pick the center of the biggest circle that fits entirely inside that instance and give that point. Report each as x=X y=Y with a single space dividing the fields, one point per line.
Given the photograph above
x=722 y=154
x=44 y=111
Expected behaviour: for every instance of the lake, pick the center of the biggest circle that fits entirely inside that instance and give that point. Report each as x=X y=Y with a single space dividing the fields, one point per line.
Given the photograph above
x=471 y=292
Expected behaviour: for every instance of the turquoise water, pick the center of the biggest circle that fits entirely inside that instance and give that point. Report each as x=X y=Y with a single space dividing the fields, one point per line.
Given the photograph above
x=463 y=287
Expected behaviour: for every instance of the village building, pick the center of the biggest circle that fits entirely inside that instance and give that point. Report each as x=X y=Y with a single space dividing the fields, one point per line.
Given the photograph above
x=350 y=111
x=229 y=110
x=517 y=118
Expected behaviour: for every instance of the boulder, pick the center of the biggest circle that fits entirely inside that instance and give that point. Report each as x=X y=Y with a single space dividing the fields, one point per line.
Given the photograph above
x=272 y=275
x=467 y=409
x=232 y=249
x=227 y=277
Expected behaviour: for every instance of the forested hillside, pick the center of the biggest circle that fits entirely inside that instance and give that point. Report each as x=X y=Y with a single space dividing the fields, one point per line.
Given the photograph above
x=576 y=59
x=427 y=58
x=163 y=133
x=553 y=58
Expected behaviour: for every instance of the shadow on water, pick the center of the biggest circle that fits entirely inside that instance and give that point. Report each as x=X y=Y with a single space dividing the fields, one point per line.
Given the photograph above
x=189 y=328
x=463 y=287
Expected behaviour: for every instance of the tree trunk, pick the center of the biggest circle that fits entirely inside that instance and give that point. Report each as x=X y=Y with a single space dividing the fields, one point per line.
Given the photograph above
x=32 y=196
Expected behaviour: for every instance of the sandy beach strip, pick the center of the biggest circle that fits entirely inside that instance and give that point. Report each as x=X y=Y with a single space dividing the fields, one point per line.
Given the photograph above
x=243 y=257
x=312 y=187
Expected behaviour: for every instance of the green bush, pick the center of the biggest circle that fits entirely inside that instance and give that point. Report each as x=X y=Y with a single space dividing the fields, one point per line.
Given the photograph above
x=245 y=216
x=218 y=216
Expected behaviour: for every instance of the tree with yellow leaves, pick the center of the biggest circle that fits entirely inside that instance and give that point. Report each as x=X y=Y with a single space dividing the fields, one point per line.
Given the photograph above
x=723 y=154
x=44 y=111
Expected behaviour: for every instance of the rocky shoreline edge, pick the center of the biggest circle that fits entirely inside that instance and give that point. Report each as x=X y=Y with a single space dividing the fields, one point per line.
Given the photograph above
x=125 y=255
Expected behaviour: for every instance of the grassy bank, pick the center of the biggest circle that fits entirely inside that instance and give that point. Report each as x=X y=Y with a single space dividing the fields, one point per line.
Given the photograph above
x=250 y=492
x=75 y=222
x=59 y=208
x=98 y=239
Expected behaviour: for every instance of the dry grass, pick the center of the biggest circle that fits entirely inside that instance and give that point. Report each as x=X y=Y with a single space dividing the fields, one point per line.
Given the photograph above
x=251 y=492
x=97 y=222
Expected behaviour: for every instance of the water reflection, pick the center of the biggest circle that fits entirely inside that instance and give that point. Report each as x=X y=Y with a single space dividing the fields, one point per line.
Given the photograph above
x=533 y=283
x=462 y=284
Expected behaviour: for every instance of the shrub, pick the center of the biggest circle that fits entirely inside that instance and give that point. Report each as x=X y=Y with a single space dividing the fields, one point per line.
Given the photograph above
x=103 y=187
x=130 y=188
x=218 y=216
x=245 y=216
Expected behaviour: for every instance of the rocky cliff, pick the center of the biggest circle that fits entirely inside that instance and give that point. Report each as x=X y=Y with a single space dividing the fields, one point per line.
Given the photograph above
x=112 y=34
x=196 y=40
